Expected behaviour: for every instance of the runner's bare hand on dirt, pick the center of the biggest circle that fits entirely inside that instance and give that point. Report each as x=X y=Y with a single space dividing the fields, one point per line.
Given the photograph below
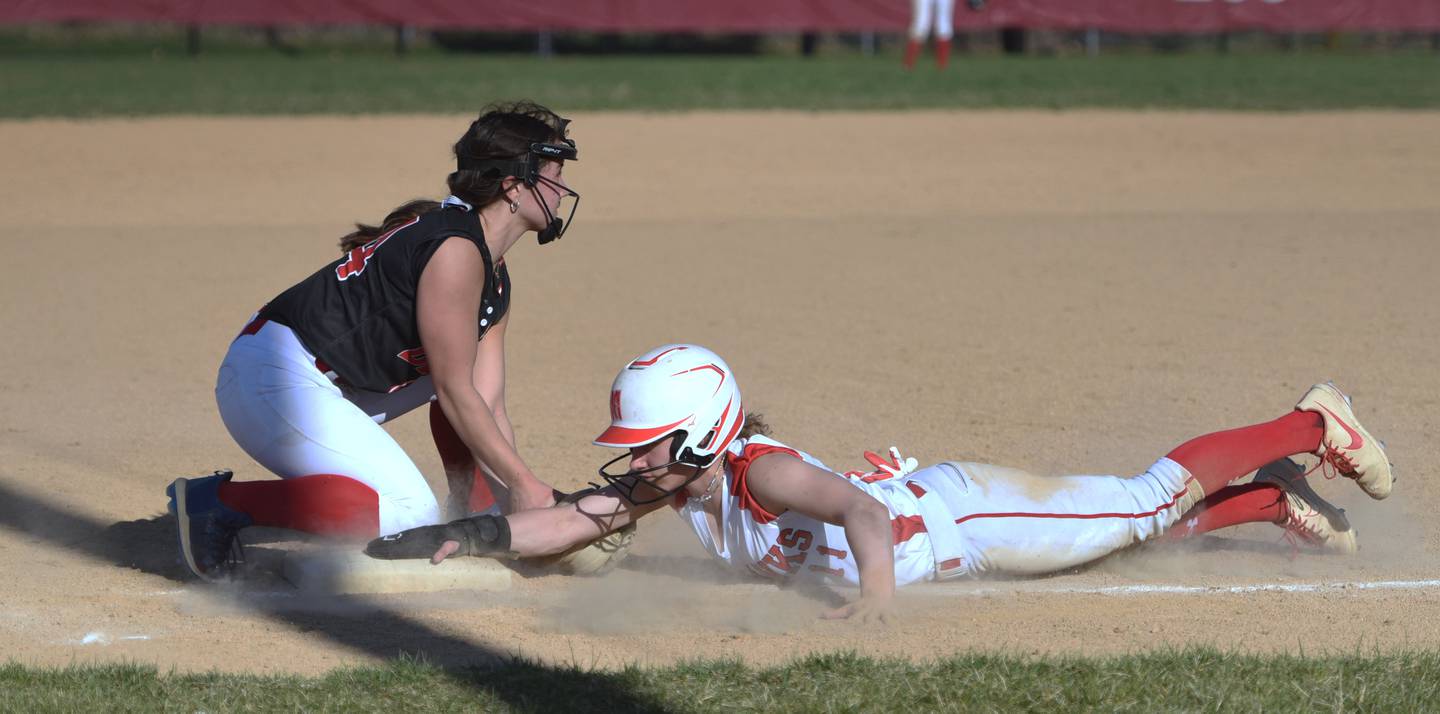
x=864 y=610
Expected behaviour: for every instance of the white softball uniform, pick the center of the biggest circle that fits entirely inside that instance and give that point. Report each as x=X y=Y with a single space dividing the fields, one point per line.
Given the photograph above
x=287 y=415
x=925 y=14
x=947 y=520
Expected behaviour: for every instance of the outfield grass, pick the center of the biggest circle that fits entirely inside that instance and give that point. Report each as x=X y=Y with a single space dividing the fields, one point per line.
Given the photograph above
x=256 y=81
x=1189 y=680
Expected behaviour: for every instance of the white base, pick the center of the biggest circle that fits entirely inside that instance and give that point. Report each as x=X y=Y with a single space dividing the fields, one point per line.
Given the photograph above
x=353 y=572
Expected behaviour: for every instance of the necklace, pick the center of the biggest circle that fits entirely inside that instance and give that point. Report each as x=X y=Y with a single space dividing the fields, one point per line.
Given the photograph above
x=710 y=490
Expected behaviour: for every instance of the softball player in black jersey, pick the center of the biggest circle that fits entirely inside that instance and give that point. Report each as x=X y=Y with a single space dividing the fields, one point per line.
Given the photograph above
x=413 y=312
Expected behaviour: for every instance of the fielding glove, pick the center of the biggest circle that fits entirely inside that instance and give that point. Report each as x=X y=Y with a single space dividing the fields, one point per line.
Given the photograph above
x=477 y=535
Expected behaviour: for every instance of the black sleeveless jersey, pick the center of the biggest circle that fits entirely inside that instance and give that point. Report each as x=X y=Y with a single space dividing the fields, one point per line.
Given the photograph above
x=357 y=314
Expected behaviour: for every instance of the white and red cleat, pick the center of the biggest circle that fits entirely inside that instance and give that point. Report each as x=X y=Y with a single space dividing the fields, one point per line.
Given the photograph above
x=1346 y=445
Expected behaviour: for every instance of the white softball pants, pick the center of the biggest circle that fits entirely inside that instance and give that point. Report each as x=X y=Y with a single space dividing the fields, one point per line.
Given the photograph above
x=1007 y=521
x=294 y=421
x=927 y=13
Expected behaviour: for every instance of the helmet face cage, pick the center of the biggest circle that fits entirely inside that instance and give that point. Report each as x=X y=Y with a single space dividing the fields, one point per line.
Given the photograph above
x=626 y=483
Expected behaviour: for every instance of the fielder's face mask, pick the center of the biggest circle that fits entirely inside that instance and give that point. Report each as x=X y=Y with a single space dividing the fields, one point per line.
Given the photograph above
x=527 y=170
x=626 y=483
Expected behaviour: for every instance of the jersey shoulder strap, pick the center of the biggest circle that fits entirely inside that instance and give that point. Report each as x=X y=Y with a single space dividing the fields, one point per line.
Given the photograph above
x=434 y=227
x=738 y=458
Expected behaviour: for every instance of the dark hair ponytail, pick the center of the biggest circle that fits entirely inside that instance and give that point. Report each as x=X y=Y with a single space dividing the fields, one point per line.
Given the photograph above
x=502 y=132
x=365 y=233
x=754 y=424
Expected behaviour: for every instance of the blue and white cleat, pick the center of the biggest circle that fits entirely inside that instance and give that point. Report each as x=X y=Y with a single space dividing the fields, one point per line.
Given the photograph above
x=209 y=530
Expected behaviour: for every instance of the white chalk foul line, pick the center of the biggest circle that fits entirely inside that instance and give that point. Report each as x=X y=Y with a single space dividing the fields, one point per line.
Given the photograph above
x=1019 y=587
x=1145 y=589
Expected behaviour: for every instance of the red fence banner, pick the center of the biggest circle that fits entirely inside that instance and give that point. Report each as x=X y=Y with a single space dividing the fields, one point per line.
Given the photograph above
x=1186 y=16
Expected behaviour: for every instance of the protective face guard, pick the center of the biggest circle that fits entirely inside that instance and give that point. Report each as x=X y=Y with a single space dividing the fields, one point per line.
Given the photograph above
x=555 y=227
x=626 y=483
x=528 y=171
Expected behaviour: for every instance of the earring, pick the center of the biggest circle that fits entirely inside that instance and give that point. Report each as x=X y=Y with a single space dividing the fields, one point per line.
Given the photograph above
x=514 y=206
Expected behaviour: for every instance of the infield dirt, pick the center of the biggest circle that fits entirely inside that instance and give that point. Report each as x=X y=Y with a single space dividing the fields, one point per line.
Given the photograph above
x=1070 y=292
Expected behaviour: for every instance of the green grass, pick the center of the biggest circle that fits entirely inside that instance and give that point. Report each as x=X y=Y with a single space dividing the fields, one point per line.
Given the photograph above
x=1188 y=680
x=80 y=83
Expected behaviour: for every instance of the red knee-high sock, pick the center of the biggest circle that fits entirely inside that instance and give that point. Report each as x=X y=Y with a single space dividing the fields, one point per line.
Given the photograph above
x=324 y=504
x=458 y=460
x=912 y=51
x=1217 y=459
x=942 y=53
x=1232 y=506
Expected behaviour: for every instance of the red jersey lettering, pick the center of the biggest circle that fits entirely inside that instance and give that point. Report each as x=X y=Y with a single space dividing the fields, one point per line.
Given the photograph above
x=794 y=538
x=416 y=358
x=359 y=258
x=780 y=563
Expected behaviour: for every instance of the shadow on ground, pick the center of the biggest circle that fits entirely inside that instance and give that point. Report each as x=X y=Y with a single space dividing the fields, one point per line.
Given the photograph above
x=365 y=626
